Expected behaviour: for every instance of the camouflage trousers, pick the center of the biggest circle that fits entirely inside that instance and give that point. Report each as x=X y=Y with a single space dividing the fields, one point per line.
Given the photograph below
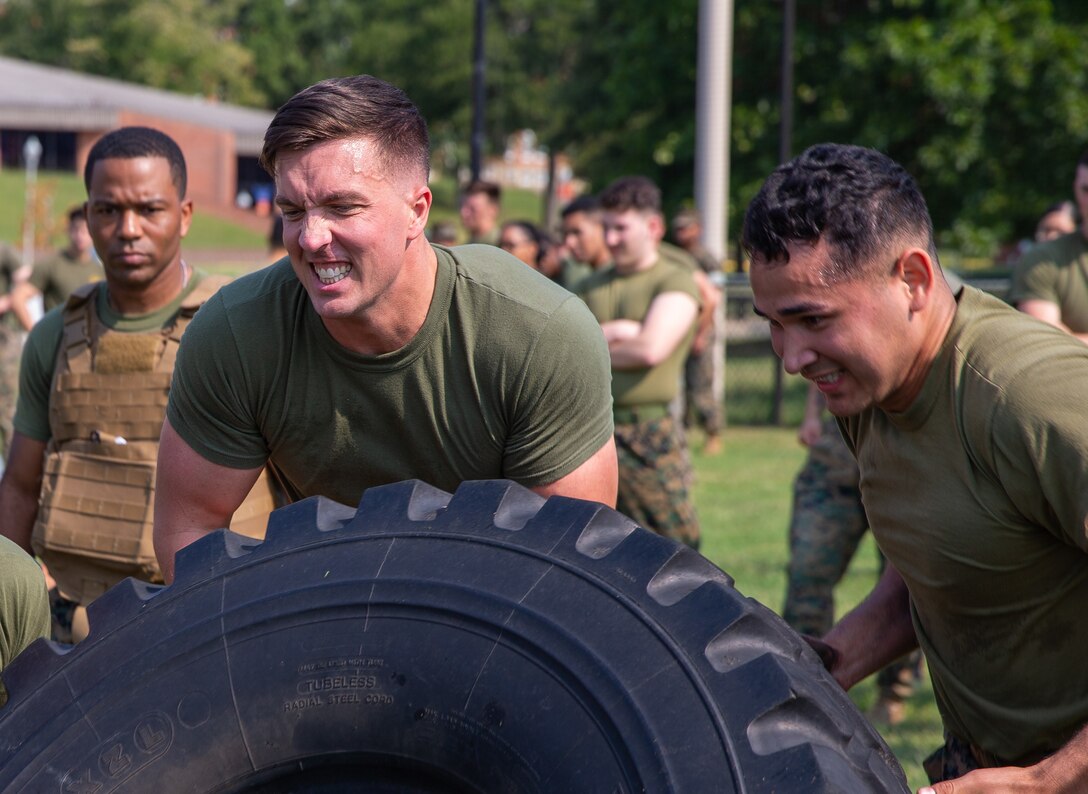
x=704 y=384
x=956 y=758
x=11 y=349
x=655 y=478
x=827 y=524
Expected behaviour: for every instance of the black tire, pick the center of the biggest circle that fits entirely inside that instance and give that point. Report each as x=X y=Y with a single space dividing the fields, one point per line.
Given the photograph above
x=488 y=642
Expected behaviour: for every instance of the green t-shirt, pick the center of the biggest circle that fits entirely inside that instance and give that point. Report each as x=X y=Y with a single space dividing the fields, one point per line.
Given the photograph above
x=1056 y=271
x=614 y=296
x=58 y=276
x=507 y=377
x=24 y=603
x=572 y=274
x=978 y=495
x=43 y=342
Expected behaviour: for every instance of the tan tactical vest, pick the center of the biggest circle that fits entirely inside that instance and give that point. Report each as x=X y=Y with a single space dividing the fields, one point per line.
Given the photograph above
x=106 y=408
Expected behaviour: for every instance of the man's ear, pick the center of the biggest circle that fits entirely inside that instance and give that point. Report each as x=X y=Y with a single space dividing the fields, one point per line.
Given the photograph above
x=917 y=271
x=420 y=208
x=656 y=224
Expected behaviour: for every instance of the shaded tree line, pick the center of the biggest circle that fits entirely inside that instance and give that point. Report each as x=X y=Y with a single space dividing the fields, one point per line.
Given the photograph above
x=985 y=102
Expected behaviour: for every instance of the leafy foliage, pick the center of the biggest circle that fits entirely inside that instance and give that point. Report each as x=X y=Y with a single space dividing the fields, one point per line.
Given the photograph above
x=986 y=103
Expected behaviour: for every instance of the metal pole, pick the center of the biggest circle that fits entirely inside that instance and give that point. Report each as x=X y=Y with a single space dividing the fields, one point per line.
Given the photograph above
x=479 y=94
x=712 y=105
x=785 y=146
x=713 y=97
x=32 y=154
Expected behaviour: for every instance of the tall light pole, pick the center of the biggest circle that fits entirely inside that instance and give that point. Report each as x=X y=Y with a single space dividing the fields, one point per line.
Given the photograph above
x=785 y=146
x=713 y=92
x=479 y=91
x=32 y=155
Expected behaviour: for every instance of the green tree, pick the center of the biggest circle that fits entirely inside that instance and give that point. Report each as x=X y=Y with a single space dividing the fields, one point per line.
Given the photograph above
x=186 y=45
x=985 y=103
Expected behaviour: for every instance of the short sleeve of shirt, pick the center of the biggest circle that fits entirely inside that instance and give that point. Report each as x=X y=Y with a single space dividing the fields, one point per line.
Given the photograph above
x=42 y=274
x=36 y=376
x=564 y=409
x=208 y=404
x=1040 y=441
x=24 y=603
x=1039 y=273
x=1035 y=280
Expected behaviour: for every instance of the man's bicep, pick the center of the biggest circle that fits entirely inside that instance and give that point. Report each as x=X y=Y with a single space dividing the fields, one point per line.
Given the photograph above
x=669 y=318
x=595 y=480
x=193 y=496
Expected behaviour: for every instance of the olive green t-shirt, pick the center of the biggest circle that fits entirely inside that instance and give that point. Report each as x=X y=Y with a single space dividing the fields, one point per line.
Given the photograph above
x=978 y=495
x=507 y=377
x=24 y=603
x=1056 y=271
x=58 y=276
x=43 y=342
x=614 y=296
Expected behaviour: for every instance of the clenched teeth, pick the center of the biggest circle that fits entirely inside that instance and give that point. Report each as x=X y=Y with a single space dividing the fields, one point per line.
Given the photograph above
x=330 y=275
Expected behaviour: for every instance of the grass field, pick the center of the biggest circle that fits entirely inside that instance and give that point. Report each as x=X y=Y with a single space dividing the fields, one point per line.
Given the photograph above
x=743 y=499
x=58 y=191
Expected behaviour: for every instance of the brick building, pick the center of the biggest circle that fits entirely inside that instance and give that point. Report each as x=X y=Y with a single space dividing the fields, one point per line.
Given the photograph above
x=68 y=111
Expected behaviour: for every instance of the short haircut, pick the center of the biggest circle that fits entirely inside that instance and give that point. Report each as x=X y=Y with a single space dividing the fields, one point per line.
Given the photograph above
x=859 y=201
x=76 y=213
x=631 y=193
x=1083 y=159
x=531 y=230
x=489 y=189
x=352 y=107
x=587 y=204
x=128 y=143
x=686 y=217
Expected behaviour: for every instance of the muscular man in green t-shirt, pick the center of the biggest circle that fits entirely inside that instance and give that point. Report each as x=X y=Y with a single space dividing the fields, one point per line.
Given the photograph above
x=370 y=356
x=967 y=421
x=1050 y=282
x=58 y=276
x=646 y=305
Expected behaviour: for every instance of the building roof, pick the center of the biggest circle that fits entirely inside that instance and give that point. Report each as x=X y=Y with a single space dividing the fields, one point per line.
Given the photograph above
x=35 y=96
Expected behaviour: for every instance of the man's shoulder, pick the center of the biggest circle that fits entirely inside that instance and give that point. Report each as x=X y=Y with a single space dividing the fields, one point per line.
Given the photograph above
x=1009 y=350
x=261 y=285
x=1060 y=252
x=483 y=271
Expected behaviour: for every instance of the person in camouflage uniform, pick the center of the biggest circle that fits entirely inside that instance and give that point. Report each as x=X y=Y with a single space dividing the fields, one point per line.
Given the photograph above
x=827 y=524
x=647 y=306
x=655 y=464
x=704 y=370
x=11 y=343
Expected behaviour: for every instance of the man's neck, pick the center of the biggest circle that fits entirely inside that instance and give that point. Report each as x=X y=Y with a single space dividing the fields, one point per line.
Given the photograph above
x=643 y=263
x=944 y=312
x=151 y=297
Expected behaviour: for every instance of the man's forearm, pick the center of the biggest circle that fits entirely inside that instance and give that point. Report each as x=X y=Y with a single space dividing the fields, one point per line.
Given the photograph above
x=1064 y=772
x=167 y=544
x=877 y=632
x=19 y=512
